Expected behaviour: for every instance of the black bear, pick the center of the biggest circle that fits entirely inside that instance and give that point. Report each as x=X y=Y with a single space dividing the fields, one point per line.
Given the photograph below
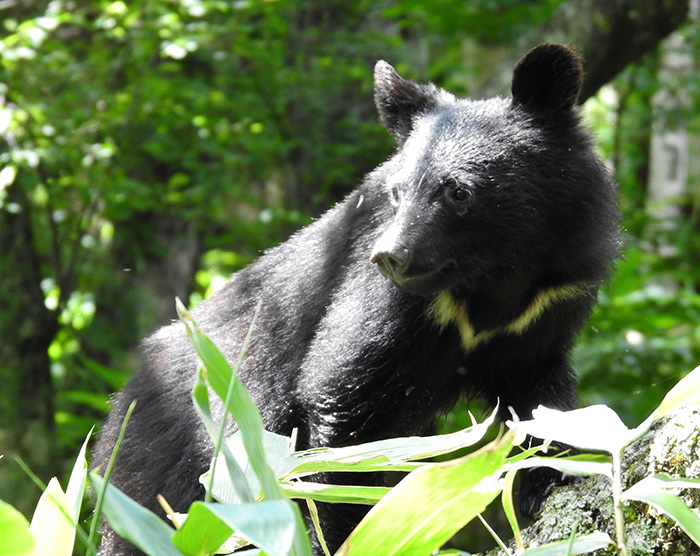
x=464 y=264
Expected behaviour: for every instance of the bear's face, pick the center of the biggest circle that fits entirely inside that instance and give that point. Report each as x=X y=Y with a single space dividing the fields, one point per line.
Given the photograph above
x=473 y=183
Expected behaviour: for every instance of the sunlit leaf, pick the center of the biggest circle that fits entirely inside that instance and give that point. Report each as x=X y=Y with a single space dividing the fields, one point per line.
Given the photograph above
x=654 y=491
x=334 y=493
x=135 y=523
x=15 y=537
x=565 y=465
x=77 y=481
x=218 y=374
x=202 y=532
x=382 y=454
x=52 y=524
x=234 y=486
x=591 y=428
x=509 y=507
x=275 y=447
x=685 y=392
x=430 y=505
x=270 y=525
x=581 y=545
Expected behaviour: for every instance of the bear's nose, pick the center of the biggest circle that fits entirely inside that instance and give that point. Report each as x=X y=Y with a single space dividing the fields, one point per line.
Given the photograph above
x=391 y=263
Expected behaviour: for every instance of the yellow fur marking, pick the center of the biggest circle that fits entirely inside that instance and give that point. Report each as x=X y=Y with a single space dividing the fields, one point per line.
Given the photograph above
x=446 y=310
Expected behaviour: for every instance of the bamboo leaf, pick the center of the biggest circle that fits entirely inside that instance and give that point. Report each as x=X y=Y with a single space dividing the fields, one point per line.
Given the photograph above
x=269 y=525
x=334 y=493
x=52 y=526
x=135 y=523
x=77 y=481
x=15 y=537
x=218 y=374
x=566 y=465
x=382 y=454
x=655 y=491
x=430 y=505
x=581 y=545
x=596 y=427
x=237 y=487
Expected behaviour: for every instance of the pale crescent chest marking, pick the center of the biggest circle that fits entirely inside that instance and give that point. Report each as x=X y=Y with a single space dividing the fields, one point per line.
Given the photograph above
x=446 y=310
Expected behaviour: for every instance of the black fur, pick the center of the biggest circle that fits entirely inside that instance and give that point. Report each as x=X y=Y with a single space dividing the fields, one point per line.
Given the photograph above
x=490 y=231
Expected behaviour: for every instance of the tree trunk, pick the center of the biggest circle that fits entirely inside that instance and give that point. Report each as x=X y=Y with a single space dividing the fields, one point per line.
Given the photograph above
x=608 y=34
x=27 y=330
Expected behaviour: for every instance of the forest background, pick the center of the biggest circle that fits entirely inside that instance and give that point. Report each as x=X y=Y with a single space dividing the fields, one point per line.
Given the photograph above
x=151 y=148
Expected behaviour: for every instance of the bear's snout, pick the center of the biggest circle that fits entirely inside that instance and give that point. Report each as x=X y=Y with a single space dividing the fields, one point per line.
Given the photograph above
x=391 y=264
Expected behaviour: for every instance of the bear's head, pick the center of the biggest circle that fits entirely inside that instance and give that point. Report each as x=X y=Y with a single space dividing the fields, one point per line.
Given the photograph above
x=485 y=190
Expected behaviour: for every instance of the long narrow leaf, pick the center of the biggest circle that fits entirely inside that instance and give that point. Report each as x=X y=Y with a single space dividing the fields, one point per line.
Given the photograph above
x=566 y=465
x=77 y=481
x=509 y=507
x=685 y=392
x=218 y=374
x=334 y=493
x=235 y=475
x=430 y=505
x=107 y=474
x=135 y=523
x=654 y=491
x=269 y=525
x=15 y=537
x=52 y=524
x=581 y=545
x=372 y=456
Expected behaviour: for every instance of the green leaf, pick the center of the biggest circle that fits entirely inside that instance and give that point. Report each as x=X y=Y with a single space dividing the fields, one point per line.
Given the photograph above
x=685 y=392
x=334 y=493
x=566 y=465
x=234 y=486
x=202 y=533
x=78 y=478
x=275 y=447
x=381 y=455
x=581 y=545
x=15 y=537
x=509 y=507
x=135 y=523
x=430 y=505
x=52 y=525
x=596 y=427
x=654 y=490
x=269 y=525
x=218 y=375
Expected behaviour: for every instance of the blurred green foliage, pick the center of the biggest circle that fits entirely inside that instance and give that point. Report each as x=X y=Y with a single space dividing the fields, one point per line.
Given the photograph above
x=645 y=331
x=141 y=133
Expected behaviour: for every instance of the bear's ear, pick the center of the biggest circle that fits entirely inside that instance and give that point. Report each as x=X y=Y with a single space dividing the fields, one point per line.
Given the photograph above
x=399 y=100
x=548 y=79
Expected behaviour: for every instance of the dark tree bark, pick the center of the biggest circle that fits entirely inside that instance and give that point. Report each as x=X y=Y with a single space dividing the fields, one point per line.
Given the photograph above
x=608 y=34
x=611 y=34
x=26 y=331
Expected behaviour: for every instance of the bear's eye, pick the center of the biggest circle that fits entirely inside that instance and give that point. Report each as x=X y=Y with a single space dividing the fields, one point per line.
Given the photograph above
x=457 y=192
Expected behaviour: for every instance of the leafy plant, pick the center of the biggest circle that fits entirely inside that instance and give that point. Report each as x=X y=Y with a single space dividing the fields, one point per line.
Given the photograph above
x=255 y=472
x=53 y=527
x=599 y=428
